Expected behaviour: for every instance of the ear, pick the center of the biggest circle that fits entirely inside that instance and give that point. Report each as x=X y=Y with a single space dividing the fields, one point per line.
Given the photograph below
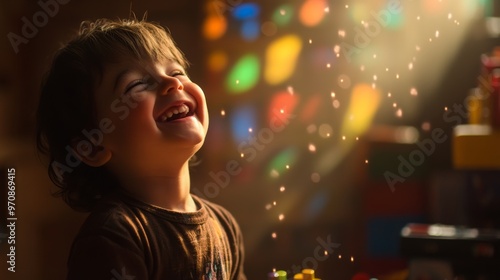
x=90 y=154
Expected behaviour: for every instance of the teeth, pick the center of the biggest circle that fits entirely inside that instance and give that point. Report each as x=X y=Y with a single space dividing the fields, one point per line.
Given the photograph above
x=174 y=111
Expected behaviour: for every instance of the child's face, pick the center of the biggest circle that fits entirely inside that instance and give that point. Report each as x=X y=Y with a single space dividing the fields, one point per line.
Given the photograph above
x=157 y=116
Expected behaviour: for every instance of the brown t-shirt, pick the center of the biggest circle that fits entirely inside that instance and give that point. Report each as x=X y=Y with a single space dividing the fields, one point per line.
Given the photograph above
x=126 y=239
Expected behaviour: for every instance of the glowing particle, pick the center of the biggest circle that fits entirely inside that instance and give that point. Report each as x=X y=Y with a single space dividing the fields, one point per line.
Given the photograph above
x=374 y=55
x=328 y=65
x=374 y=77
x=446 y=108
x=327 y=9
x=326 y=253
x=426 y=126
x=386 y=69
x=389 y=94
x=347 y=6
x=352 y=259
x=274 y=235
x=394 y=105
x=250 y=130
x=413 y=92
x=311 y=128
x=417 y=48
x=344 y=81
x=332 y=94
x=450 y=16
x=362 y=68
x=237 y=82
x=282 y=188
x=242 y=155
x=399 y=113
x=340 y=256
x=287 y=166
x=325 y=130
x=310 y=41
x=289 y=89
x=281 y=217
x=410 y=66
x=222 y=112
x=336 y=104
x=315 y=177
x=268 y=206
x=341 y=33
x=343 y=138
x=312 y=148
x=283 y=15
x=274 y=203
x=366 y=161
x=436 y=34
x=397 y=76
x=357 y=138
x=336 y=49
x=274 y=173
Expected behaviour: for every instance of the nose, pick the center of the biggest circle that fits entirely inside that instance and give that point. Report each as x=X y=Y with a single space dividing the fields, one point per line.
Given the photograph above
x=170 y=84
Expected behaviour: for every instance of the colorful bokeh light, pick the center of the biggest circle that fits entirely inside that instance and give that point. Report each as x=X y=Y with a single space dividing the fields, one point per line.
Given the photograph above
x=283 y=15
x=282 y=103
x=214 y=27
x=250 y=30
x=217 y=61
x=246 y=11
x=243 y=119
x=284 y=159
x=362 y=107
x=312 y=12
x=281 y=58
x=244 y=74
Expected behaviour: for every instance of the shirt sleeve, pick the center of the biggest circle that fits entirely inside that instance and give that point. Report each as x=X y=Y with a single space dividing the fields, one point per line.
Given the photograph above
x=99 y=257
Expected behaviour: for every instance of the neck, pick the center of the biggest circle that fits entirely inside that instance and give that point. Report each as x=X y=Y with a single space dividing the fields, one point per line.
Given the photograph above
x=170 y=191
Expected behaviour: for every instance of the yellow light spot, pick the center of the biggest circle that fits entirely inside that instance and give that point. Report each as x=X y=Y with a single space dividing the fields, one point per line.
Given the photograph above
x=281 y=57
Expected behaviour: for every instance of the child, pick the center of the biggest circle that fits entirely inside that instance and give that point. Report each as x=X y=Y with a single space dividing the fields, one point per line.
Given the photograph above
x=119 y=120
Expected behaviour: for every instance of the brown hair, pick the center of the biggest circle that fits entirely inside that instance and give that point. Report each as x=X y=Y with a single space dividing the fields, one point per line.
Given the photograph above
x=66 y=107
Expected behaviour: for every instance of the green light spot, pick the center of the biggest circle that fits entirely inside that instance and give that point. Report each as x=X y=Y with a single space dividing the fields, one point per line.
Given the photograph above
x=244 y=74
x=282 y=15
x=395 y=21
x=283 y=160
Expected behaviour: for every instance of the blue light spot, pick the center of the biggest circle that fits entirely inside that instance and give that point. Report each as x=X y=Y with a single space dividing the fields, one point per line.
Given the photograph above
x=246 y=11
x=242 y=120
x=250 y=30
x=316 y=204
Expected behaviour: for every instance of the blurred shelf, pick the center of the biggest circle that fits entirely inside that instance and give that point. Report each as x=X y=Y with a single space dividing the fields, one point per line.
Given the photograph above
x=476 y=147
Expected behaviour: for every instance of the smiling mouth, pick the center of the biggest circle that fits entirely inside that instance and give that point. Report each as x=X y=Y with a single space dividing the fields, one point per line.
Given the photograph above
x=175 y=113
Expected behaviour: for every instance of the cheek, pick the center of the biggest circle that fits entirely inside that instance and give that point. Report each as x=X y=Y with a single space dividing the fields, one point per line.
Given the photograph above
x=132 y=120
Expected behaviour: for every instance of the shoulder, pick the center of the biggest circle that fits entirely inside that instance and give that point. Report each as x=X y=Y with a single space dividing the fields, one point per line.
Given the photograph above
x=225 y=218
x=113 y=222
x=108 y=241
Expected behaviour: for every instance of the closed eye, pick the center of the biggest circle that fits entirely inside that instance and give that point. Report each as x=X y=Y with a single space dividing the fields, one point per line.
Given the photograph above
x=139 y=85
x=178 y=73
